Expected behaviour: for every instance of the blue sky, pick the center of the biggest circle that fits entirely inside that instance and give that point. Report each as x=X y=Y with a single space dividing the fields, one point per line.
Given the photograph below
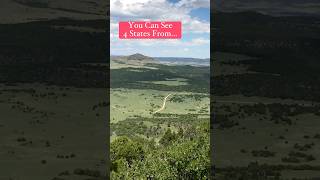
x=195 y=18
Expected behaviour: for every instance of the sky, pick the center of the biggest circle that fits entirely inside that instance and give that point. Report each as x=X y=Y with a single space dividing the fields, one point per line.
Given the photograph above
x=195 y=18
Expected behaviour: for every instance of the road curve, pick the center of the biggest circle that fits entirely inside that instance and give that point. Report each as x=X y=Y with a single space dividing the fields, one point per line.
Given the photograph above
x=164 y=104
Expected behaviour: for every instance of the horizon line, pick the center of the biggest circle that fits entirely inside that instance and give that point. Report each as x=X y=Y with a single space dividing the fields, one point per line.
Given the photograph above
x=163 y=56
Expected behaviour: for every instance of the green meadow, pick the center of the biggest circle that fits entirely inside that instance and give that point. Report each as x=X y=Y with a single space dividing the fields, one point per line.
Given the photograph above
x=159 y=115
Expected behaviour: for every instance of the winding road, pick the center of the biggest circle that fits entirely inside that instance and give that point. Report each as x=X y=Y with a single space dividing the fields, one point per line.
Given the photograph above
x=164 y=104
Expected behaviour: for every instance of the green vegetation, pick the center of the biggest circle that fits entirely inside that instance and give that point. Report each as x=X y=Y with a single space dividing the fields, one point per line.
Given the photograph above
x=266 y=96
x=48 y=86
x=177 y=156
x=197 y=78
x=169 y=144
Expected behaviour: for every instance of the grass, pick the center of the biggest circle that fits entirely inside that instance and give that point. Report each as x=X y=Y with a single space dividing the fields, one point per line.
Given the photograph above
x=170 y=82
x=256 y=132
x=117 y=65
x=130 y=102
x=54 y=127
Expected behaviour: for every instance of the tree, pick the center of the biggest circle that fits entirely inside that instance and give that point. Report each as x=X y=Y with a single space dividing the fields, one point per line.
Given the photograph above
x=168 y=137
x=180 y=132
x=123 y=148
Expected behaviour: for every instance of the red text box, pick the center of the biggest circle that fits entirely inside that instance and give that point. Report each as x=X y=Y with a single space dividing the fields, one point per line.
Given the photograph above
x=150 y=30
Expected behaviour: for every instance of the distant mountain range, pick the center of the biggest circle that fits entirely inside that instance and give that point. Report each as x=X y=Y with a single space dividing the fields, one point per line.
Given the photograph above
x=142 y=59
x=139 y=57
x=183 y=61
x=134 y=59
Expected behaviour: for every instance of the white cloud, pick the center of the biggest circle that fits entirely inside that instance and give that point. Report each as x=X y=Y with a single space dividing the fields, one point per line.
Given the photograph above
x=199 y=41
x=194 y=3
x=160 y=10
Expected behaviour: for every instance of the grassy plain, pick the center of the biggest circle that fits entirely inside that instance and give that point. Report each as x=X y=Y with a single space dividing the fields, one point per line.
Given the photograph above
x=160 y=109
x=127 y=103
x=42 y=131
x=268 y=130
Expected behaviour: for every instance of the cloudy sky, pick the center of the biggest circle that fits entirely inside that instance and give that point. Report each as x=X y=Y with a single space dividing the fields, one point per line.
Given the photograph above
x=195 y=18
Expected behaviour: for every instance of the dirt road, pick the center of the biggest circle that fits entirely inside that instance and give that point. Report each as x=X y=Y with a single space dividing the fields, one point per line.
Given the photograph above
x=163 y=105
